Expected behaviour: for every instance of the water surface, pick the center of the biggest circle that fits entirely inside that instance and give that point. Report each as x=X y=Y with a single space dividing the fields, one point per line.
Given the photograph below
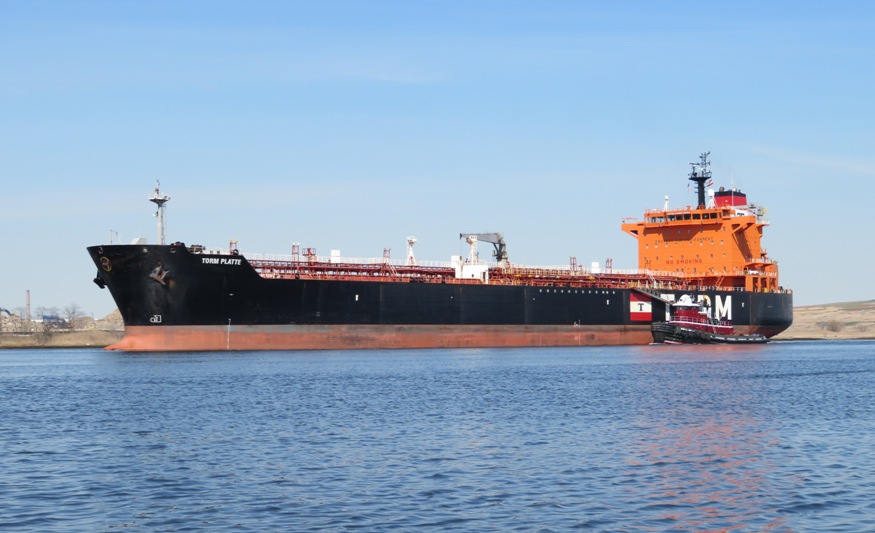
x=778 y=437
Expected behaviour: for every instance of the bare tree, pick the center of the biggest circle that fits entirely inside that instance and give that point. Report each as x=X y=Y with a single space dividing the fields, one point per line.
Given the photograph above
x=72 y=313
x=47 y=318
x=23 y=324
x=42 y=311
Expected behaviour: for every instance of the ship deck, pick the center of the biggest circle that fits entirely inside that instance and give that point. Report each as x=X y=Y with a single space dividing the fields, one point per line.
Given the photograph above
x=387 y=270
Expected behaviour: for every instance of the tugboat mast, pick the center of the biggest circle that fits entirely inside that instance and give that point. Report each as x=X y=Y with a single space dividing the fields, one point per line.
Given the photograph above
x=700 y=174
x=159 y=201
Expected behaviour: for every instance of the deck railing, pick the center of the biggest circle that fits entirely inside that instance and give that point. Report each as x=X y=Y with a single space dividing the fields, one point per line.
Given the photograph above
x=640 y=278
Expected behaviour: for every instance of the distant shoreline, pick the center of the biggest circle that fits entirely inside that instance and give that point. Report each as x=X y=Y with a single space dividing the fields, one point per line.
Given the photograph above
x=60 y=339
x=836 y=321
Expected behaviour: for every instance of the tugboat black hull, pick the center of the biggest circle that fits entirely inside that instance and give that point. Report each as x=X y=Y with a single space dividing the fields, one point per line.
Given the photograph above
x=666 y=333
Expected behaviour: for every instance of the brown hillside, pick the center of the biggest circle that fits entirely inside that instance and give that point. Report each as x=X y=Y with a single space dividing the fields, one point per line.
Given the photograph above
x=848 y=320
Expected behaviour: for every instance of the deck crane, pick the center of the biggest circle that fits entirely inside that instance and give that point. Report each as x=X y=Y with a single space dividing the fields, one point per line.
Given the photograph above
x=497 y=240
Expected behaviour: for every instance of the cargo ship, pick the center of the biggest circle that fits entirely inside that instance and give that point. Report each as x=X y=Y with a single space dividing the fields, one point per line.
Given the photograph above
x=178 y=297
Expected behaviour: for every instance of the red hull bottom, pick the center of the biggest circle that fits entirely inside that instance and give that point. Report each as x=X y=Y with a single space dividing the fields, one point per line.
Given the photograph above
x=215 y=338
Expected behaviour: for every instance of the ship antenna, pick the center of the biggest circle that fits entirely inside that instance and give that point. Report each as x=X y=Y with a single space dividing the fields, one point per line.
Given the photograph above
x=159 y=201
x=700 y=174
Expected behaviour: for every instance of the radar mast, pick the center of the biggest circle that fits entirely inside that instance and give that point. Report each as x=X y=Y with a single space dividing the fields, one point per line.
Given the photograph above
x=700 y=174
x=159 y=201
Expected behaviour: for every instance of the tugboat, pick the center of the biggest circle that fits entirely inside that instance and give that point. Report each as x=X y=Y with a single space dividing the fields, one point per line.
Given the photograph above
x=691 y=323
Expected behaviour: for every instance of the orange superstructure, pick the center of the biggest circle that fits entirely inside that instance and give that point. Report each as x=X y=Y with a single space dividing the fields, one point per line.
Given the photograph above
x=717 y=243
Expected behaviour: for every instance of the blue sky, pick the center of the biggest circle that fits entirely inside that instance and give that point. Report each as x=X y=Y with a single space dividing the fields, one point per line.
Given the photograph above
x=351 y=125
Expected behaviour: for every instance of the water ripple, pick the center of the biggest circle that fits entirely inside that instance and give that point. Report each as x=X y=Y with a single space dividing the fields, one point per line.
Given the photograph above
x=780 y=439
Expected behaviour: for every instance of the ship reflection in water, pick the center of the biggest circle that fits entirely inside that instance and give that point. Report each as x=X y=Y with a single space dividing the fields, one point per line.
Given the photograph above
x=702 y=453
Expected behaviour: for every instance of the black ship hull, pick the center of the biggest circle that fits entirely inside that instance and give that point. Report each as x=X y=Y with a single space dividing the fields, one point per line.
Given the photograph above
x=173 y=299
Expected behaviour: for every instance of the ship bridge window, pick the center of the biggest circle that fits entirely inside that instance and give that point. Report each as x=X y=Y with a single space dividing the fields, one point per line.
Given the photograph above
x=697 y=216
x=687 y=216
